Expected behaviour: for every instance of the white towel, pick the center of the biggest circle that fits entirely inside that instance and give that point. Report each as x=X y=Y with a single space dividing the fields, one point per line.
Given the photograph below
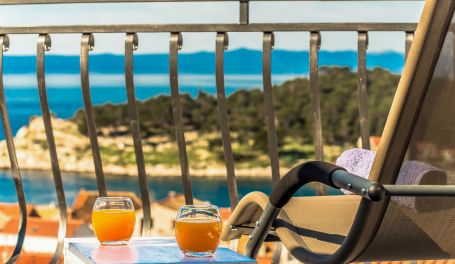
x=356 y=161
x=359 y=161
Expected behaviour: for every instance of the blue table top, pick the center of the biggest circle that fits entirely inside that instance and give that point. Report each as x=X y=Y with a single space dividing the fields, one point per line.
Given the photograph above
x=146 y=250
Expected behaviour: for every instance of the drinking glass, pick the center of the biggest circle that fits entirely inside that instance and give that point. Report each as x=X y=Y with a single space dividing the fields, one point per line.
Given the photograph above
x=198 y=230
x=113 y=220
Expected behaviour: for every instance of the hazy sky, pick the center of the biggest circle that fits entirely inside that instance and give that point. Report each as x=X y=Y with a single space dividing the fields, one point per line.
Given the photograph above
x=218 y=12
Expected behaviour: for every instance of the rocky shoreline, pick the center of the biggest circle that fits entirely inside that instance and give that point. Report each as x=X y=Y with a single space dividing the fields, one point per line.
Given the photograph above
x=74 y=154
x=160 y=171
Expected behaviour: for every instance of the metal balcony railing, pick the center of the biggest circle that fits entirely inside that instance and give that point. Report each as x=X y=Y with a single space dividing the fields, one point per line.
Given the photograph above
x=175 y=44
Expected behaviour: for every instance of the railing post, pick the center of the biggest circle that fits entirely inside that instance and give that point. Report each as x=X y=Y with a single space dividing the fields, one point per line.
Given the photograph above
x=409 y=38
x=4 y=46
x=43 y=45
x=131 y=44
x=411 y=153
x=272 y=139
x=315 y=44
x=363 y=89
x=222 y=42
x=175 y=44
x=244 y=14
x=87 y=45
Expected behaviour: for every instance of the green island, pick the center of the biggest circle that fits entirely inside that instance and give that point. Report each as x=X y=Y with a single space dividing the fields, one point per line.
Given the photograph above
x=292 y=102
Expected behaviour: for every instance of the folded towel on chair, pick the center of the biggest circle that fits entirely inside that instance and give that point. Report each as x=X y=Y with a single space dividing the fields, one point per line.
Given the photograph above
x=359 y=161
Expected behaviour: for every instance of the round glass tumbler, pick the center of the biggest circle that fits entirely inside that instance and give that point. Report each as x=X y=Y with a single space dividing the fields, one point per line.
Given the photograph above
x=113 y=220
x=198 y=230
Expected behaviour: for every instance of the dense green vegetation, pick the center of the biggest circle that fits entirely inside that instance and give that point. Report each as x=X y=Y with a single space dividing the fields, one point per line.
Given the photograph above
x=292 y=100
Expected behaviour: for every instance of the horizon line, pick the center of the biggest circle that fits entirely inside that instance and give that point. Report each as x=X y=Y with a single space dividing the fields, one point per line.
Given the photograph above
x=210 y=52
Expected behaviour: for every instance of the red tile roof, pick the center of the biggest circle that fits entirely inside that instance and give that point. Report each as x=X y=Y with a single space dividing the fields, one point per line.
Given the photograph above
x=225 y=213
x=12 y=209
x=40 y=227
x=29 y=258
x=264 y=260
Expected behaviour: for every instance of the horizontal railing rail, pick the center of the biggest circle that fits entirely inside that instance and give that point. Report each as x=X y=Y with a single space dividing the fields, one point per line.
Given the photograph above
x=221 y=43
x=253 y=27
x=34 y=2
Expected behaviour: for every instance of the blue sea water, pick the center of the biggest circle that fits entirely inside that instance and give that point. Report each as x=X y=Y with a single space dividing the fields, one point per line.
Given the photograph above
x=65 y=98
x=243 y=71
x=39 y=187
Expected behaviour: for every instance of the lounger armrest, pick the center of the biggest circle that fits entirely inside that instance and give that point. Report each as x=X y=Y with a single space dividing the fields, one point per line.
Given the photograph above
x=325 y=173
x=313 y=171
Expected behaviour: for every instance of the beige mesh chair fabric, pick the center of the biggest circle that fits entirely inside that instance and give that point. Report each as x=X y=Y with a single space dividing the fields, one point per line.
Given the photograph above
x=428 y=232
x=321 y=225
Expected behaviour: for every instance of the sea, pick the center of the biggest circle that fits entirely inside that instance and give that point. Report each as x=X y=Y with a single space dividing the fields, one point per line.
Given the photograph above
x=243 y=71
x=39 y=187
x=65 y=98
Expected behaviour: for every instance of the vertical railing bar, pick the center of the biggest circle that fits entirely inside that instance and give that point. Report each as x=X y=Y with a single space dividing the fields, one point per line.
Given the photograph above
x=43 y=45
x=244 y=12
x=87 y=45
x=409 y=38
x=4 y=46
x=363 y=89
x=315 y=44
x=175 y=44
x=131 y=44
x=222 y=42
x=272 y=139
x=412 y=151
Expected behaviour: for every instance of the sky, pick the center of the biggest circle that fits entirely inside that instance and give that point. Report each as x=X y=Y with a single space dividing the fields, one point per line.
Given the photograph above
x=217 y=12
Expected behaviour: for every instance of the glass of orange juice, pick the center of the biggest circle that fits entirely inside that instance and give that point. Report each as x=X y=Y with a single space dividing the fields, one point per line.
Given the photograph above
x=113 y=220
x=198 y=230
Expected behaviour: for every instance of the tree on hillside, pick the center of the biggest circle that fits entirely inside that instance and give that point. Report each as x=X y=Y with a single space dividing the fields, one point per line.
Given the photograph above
x=292 y=102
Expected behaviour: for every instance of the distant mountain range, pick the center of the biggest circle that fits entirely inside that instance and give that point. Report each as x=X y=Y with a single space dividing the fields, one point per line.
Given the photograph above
x=240 y=61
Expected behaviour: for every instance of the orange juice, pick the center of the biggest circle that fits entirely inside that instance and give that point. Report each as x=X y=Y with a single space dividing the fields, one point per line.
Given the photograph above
x=113 y=224
x=198 y=234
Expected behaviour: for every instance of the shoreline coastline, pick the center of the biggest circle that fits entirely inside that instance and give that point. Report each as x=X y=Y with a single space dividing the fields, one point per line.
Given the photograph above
x=158 y=171
x=74 y=154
